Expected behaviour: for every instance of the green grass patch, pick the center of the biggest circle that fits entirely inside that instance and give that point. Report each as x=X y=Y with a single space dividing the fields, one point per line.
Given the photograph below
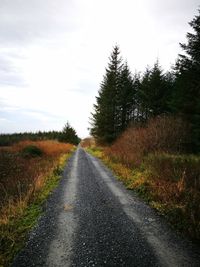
x=13 y=233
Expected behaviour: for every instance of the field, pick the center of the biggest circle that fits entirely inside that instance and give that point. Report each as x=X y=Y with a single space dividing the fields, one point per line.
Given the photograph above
x=29 y=170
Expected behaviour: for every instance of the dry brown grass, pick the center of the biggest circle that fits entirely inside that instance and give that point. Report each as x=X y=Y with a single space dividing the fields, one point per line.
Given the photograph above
x=25 y=182
x=50 y=148
x=149 y=160
x=21 y=178
x=165 y=134
x=170 y=183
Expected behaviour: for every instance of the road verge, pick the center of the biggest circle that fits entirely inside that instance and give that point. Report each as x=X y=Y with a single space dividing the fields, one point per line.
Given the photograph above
x=173 y=199
x=21 y=216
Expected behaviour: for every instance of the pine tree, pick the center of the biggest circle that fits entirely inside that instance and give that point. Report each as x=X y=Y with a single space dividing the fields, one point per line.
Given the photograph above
x=136 y=109
x=105 y=118
x=126 y=99
x=154 y=93
x=69 y=135
x=143 y=97
x=186 y=98
x=160 y=91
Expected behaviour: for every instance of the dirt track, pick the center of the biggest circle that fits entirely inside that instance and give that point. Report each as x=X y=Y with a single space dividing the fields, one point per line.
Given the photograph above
x=92 y=220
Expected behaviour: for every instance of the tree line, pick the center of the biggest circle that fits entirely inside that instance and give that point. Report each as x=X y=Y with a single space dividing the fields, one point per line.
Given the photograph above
x=67 y=135
x=124 y=98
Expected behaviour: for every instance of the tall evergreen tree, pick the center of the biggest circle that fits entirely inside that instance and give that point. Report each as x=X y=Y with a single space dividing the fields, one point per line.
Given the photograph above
x=143 y=96
x=186 y=99
x=154 y=93
x=126 y=99
x=105 y=118
x=160 y=91
x=136 y=109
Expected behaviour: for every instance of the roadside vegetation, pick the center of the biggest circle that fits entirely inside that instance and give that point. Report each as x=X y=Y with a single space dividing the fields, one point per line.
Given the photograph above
x=169 y=181
x=146 y=128
x=29 y=171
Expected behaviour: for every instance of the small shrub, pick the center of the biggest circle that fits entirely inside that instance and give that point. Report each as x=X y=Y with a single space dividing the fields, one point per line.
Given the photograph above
x=161 y=134
x=31 y=151
x=175 y=168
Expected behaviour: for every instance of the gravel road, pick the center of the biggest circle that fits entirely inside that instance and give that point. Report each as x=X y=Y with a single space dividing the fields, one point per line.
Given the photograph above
x=92 y=220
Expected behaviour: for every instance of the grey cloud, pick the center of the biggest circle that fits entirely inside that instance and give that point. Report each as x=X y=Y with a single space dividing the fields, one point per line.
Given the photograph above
x=172 y=7
x=5 y=64
x=10 y=111
x=167 y=14
x=25 y=20
x=8 y=73
x=16 y=119
x=22 y=120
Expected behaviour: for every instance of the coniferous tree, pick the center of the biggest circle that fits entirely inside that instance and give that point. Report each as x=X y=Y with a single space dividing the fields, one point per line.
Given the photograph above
x=136 y=109
x=154 y=94
x=160 y=91
x=143 y=96
x=69 y=135
x=105 y=118
x=186 y=98
x=126 y=99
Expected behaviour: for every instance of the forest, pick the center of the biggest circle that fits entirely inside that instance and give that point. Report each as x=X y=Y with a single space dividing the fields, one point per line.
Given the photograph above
x=127 y=99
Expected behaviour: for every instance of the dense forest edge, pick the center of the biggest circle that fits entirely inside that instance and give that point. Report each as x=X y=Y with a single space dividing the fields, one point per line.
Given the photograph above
x=67 y=135
x=146 y=127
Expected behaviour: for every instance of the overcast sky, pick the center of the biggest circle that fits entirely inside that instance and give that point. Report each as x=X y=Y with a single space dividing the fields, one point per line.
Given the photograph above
x=53 y=53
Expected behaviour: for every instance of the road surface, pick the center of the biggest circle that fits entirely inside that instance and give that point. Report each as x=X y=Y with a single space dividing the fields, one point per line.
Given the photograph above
x=92 y=220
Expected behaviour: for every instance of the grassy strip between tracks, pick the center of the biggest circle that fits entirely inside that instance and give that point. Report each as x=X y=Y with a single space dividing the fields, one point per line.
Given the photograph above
x=20 y=214
x=167 y=183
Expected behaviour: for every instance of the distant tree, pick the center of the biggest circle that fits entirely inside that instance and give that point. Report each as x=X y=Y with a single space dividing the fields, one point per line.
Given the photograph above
x=68 y=135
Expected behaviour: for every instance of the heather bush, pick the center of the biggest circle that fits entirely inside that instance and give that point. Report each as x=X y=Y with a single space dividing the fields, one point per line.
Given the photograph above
x=23 y=166
x=31 y=151
x=161 y=134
